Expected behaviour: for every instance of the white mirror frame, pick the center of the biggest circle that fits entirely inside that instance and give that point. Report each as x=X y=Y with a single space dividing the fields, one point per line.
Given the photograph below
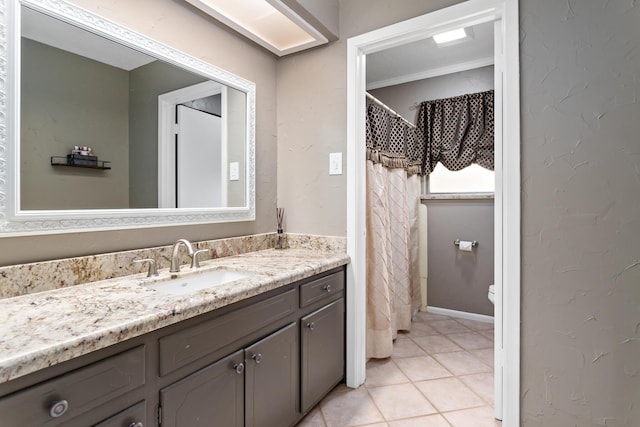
x=13 y=221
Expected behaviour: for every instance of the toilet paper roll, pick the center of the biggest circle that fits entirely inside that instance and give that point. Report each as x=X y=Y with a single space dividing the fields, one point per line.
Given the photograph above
x=466 y=246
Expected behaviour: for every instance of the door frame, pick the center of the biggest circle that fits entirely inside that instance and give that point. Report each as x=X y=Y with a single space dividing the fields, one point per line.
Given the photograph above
x=507 y=193
x=166 y=137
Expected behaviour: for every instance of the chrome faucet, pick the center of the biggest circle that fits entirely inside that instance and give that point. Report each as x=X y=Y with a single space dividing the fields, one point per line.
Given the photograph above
x=175 y=252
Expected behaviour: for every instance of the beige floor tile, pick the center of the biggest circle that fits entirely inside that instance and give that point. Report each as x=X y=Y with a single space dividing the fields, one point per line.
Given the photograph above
x=383 y=372
x=448 y=326
x=406 y=348
x=475 y=325
x=477 y=417
x=422 y=368
x=471 y=340
x=375 y=425
x=482 y=384
x=313 y=419
x=421 y=329
x=400 y=401
x=436 y=420
x=350 y=408
x=449 y=394
x=485 y=355
x=460 y=363
x=489 y=334
x=436 y=344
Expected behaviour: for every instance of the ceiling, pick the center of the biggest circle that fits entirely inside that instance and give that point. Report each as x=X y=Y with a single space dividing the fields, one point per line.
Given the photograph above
x=424 y=59
x=53 y=32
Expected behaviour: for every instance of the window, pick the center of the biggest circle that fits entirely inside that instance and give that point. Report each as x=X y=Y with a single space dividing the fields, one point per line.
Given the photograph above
x=472 y=179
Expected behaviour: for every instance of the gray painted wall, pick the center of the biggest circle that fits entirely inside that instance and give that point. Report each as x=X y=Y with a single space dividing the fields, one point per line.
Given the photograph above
x=580 y=82
x=460 y=280
x=146 y=83
x=69 y=100
x=236 y=135
x=166 y=21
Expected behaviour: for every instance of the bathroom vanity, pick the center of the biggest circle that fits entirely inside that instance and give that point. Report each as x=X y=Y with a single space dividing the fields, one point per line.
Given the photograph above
x=260 y=352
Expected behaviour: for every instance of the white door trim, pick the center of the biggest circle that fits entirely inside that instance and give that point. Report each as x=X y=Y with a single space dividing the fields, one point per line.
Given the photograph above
x=507 y=183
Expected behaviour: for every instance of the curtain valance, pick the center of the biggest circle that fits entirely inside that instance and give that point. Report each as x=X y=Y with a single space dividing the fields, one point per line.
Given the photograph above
x=458 y=131
x=392 y=142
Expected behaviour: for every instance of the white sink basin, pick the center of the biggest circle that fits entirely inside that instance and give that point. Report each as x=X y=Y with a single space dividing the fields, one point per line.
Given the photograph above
x=197 y=282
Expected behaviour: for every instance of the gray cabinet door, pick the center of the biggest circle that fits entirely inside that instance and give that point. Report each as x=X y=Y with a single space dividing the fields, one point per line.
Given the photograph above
x=322 y=352
x=272 y=380
x=212 y=396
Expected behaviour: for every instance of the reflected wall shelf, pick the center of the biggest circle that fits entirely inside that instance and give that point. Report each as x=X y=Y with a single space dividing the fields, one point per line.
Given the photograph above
x=78 y=163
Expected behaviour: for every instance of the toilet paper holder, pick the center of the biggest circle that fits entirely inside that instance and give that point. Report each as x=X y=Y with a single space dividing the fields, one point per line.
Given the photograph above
x=473 y=244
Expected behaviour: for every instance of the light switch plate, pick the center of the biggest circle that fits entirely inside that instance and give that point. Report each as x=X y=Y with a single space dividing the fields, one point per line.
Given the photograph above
x=234 y=171
x=335 y=163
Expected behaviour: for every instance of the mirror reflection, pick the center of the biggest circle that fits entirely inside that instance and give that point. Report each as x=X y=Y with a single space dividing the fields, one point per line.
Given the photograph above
x=169 y=137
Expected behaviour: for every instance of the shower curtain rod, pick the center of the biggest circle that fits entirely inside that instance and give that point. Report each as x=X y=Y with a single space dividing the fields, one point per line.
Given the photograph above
x=386 y=107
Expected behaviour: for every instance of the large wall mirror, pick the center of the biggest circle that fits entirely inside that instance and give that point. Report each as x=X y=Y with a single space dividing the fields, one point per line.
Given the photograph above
x=106 y=128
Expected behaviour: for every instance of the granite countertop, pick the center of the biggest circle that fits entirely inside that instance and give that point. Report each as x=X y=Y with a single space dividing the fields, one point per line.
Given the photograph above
x=45 y=328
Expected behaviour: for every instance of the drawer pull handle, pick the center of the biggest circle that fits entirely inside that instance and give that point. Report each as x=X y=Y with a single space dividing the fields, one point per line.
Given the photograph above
x=138 y=424
x=311 y=326
x=257 y=358
x=239 y=367
x=58 y=408
x=327 y=288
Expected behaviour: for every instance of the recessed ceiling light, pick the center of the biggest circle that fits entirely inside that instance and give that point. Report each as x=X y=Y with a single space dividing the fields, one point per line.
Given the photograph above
x=451 y=36
x=270 y=23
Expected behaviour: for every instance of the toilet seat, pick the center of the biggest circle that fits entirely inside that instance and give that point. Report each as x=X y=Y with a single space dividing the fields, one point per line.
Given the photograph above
x=492 y=293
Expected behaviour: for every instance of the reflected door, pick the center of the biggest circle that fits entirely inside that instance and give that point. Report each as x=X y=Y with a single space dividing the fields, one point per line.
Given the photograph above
x=198 y=159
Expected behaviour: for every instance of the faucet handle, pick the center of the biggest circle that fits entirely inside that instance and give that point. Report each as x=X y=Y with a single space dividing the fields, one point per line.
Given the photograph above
x=195 y=262
x=153 y=269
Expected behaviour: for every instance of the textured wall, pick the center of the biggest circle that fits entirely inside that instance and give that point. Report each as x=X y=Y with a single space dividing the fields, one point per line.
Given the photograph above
x=69 y=100
x=312 y=117
x=580 y=74
x=183 y=27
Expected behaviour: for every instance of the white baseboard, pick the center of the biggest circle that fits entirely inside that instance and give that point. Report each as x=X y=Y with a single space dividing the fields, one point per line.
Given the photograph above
x=460 y=314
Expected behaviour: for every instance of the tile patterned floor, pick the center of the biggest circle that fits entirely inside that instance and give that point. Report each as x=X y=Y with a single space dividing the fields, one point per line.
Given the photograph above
x=439 y=375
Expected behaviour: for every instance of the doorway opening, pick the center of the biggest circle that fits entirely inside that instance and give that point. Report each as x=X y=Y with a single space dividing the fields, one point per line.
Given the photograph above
x=504 y=15
x=194 y=135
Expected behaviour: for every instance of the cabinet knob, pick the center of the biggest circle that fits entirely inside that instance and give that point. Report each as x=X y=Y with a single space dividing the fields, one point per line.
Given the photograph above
x=239 y=367
x=58 y=408
x=257 y=358
x=311 y=326
x=138 y=424
x=327 y=288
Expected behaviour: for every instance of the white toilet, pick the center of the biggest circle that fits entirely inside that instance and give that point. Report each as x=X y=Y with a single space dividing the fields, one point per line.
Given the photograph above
x=492 y=294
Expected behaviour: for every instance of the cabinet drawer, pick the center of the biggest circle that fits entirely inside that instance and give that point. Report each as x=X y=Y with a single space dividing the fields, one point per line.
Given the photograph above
x=322 y=288
x=134 y=416
x=82 y=390
x=183 y=347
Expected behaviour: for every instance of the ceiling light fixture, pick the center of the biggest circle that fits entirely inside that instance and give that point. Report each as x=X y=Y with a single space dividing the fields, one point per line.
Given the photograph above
x=458 y=34
x=270 y=23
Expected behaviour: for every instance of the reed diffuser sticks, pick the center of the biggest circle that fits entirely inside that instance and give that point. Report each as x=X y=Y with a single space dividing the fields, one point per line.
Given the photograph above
x=281 y=238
